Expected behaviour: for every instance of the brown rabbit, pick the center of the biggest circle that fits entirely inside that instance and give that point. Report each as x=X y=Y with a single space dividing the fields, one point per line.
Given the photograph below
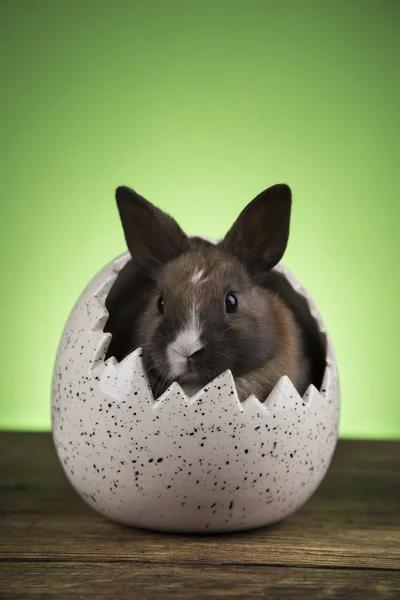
x=198 y=309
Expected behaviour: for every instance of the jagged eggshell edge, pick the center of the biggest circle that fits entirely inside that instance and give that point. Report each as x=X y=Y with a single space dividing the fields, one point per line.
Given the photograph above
x=202 y=464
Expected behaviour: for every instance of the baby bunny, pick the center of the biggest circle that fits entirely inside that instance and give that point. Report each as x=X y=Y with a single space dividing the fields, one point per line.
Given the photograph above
x=198 y=309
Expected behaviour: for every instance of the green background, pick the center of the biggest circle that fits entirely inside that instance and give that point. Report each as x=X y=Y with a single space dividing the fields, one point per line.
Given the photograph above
x=200 y=106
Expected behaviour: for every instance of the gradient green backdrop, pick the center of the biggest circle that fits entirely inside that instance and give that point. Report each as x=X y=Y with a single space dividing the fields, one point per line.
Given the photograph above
x=200 y=106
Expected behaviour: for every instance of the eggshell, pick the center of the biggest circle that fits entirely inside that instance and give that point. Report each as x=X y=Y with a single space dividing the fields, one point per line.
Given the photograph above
x=203 y=464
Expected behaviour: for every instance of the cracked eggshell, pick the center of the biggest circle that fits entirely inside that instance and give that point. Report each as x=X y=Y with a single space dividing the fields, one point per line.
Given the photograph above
x=203 y=464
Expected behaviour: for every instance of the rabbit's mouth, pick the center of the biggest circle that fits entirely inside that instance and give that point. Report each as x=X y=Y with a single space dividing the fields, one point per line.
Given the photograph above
x=191 y=382
x=190 y=376
x=185 y=355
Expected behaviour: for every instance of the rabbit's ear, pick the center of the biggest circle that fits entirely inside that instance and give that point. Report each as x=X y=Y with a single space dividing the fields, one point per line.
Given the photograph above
x=260 y=234
x=153 y=237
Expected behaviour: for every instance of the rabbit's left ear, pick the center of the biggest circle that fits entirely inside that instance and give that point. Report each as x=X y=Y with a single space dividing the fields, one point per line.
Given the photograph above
x=259 y=236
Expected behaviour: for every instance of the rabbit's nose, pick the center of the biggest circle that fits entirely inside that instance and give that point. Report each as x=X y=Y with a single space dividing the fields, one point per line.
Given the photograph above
x=195 y=356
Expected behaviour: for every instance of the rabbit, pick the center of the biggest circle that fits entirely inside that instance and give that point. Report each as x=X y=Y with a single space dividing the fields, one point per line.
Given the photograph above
x=198 y=309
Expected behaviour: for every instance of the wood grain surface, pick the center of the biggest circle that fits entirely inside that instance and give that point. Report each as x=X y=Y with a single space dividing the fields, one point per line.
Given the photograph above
x=343 y=543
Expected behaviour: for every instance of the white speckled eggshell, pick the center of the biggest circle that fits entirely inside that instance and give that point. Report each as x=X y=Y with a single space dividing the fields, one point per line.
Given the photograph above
x=202 y=464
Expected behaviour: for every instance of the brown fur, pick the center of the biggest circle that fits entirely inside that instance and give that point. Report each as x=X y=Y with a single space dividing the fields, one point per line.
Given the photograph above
x=259 y=342
x=289 y=357
x=240 y=342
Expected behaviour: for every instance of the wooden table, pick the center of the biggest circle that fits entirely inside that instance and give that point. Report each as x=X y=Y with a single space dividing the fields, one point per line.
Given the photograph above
x=344 y=543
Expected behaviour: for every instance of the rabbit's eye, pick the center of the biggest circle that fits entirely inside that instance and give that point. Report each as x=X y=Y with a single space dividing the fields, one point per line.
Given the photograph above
x=231 y=302
x=161 y=305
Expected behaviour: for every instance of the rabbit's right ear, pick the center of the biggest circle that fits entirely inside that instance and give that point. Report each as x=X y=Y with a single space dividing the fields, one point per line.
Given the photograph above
x=153 y=237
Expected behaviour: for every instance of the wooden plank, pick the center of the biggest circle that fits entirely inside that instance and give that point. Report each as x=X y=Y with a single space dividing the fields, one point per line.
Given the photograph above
x=148 y=581
x=352 y=521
